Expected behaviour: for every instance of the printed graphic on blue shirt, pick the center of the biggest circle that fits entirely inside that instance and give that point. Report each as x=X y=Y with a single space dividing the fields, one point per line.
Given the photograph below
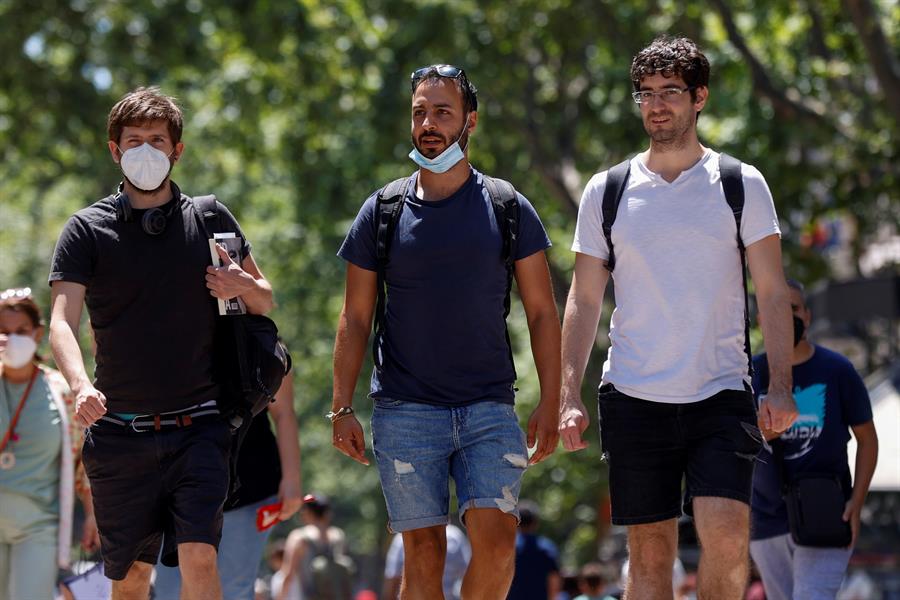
x=810 y=420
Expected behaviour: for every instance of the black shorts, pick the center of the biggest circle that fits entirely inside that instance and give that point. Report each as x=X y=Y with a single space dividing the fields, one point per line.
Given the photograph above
x=652 y=446
x=149 y=483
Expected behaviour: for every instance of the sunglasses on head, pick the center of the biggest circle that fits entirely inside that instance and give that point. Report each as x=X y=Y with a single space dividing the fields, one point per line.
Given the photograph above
x=448 y=71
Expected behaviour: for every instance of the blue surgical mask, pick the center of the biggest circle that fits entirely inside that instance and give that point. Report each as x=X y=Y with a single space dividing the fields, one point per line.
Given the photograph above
x=444 y=161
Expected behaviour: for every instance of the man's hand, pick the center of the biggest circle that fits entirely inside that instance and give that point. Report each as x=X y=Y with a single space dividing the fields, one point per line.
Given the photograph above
x=90 y=535
x=90 y=405
x=777 y=411
x=290 y=496
x=348 y=437
x=543 y=430
x=230 y=280
x=851 y=515
x=573 y=421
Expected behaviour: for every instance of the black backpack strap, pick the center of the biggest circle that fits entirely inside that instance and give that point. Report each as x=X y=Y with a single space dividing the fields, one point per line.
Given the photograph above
x=733 y=187
x=388 y=206
x=506 y=211
x=208 y=211
x=616 y=179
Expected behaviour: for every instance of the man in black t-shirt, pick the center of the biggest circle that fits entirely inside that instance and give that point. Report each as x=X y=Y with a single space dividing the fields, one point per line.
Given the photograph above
x=156 y=453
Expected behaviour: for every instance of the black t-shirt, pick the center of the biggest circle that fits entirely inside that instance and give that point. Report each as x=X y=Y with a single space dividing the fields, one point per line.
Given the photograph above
x=151 y=312
x=258 y=465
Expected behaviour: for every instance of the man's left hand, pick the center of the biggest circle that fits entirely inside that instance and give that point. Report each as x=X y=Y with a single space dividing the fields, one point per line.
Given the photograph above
x=228 y=281
x=543 y=429
x=777 y=411
x=851 y=515
x=291 y=498
x=90 y=535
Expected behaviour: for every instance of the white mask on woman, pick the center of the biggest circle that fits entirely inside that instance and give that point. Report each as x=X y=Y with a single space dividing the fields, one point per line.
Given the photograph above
x=19 y=351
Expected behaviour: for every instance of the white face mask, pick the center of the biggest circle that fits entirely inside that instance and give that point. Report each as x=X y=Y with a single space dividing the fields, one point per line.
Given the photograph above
x=19 y=350
x=145 y=167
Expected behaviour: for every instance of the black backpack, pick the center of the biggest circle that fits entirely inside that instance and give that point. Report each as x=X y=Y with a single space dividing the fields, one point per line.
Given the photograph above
x=389 y=205
x=249 y=360
x=732 y=186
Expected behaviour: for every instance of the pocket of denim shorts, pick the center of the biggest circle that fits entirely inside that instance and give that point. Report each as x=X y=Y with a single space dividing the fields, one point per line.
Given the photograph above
x=387 y=403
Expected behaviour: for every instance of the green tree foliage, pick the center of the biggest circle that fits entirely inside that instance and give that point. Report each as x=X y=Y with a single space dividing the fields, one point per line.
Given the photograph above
x=297 y=110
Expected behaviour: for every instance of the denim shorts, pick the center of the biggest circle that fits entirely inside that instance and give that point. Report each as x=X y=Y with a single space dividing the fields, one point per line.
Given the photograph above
x=651 y=447
x=419 y=447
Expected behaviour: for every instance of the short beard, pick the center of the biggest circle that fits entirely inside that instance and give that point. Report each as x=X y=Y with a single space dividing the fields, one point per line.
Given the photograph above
x=671 y=140
x=462 y=137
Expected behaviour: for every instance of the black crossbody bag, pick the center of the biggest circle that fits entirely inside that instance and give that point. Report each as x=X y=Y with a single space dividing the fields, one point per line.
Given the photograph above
x=815 y=506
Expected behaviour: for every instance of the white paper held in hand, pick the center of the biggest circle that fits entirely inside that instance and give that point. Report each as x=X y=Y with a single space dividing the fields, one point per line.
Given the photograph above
x=232 y=243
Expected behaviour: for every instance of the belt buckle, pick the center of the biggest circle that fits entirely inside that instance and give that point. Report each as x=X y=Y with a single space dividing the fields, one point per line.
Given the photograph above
x=133 y=424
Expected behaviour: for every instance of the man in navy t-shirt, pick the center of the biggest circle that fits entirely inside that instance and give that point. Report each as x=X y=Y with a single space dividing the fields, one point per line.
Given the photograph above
x=537 y=560
x=443 y=384
x=830 y=398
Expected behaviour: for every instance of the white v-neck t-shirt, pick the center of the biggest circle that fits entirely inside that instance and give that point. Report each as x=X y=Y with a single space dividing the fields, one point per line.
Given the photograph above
x=677 y=333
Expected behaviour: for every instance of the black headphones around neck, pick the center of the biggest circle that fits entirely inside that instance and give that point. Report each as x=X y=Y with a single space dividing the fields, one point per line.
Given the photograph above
x=154 y=220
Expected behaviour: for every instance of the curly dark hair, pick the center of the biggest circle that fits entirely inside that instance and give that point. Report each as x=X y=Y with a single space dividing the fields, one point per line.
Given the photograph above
x=671 y=57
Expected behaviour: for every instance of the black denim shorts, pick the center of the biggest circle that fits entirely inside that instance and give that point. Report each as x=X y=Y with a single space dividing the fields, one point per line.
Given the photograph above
x=652 y=447
x=148 y=483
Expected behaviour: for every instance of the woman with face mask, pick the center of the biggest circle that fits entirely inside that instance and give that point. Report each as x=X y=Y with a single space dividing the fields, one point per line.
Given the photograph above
x=40 y=464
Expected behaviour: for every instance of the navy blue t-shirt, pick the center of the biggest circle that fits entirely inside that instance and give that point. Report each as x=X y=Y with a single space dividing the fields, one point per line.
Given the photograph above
x=830 y=397
x=444 y=336
x=536 y=558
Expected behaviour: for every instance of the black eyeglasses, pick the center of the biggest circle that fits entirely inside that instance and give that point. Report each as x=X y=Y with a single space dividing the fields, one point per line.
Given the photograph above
x=448 y=71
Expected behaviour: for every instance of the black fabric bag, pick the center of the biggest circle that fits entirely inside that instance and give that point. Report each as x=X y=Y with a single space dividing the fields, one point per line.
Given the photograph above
x=250 y=363
x=249 y=360
x=815 y=505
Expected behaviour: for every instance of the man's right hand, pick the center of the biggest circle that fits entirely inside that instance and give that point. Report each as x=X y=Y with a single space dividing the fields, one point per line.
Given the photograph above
x=90 y=405
x=348 y=437
x=573 y=421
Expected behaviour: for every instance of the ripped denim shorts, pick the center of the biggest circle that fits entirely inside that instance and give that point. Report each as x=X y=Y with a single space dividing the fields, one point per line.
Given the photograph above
x=419 y=447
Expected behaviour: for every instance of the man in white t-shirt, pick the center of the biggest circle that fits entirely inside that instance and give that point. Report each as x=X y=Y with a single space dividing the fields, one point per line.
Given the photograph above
x=674 y=400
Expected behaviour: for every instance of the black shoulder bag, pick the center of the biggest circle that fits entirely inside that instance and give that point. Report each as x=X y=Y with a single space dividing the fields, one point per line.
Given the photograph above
x=815 y=506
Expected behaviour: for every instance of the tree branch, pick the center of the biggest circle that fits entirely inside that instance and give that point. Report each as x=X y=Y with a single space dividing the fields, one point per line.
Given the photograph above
x=877 y=48
x=788 y=105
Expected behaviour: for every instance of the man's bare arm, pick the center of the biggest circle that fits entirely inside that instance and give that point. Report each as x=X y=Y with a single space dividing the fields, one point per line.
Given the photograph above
x=579 y=332
x=778 y=411
x=533 y=278
x=349 y=350
x=66 y=303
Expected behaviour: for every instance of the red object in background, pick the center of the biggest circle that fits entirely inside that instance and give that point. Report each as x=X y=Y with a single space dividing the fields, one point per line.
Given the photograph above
x=308 y=498
x=267 y=516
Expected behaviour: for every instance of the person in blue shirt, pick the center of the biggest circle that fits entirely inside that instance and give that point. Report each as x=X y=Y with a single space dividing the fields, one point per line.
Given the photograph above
x=444 y=386
x=832 y=401
x=537 y=560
